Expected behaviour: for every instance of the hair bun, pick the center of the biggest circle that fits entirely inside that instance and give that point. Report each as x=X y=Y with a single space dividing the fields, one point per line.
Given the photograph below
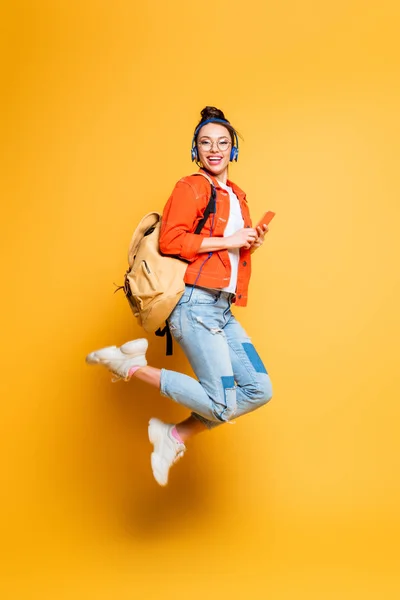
x=211 y=112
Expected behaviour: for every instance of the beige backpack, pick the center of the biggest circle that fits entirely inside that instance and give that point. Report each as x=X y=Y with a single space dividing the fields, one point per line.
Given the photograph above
x=154 y=282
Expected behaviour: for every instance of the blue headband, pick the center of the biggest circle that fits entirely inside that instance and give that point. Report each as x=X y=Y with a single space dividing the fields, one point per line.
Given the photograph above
x=235 y=148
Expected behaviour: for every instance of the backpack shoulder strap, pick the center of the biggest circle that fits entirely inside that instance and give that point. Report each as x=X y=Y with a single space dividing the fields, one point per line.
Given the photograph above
x=211 y=206
x=205 y=176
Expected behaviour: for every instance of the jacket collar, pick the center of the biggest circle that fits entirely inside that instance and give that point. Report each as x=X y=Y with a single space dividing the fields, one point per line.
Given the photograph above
x=239 y=193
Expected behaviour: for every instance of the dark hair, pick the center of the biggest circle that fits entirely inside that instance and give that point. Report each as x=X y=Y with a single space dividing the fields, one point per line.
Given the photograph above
x=211 y=112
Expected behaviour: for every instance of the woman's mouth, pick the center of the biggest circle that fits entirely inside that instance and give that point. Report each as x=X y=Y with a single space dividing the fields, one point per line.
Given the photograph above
x=214 y=160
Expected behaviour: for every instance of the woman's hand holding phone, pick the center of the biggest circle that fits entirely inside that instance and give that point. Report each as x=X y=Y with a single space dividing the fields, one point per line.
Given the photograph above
x=243 y=238
x=266 y=219
x=249 y=237
x=262 y=228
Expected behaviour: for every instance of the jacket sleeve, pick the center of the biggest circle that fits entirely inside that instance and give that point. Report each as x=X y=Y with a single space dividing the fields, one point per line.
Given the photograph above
x=181 y=212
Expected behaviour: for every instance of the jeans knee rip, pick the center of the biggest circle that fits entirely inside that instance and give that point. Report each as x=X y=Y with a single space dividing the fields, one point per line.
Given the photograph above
x=212 y=330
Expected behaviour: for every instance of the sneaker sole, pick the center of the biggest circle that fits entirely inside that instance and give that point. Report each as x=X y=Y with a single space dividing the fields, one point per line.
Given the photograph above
x=156 y=468
x=155 y=438
x=130 y=350
x=154 y=434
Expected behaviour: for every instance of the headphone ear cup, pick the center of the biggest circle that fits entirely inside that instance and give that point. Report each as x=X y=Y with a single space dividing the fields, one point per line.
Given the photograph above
x=234 y=154
x=194 y=154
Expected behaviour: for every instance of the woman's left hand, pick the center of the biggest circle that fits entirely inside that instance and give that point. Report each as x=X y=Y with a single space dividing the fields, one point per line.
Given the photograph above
x=260 y=240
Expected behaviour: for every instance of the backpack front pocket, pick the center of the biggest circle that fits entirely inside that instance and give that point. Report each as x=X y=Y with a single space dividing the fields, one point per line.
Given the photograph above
x=150 y=276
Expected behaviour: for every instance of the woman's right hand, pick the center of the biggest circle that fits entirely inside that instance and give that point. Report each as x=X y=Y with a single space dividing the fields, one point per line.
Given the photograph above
x=243 y=238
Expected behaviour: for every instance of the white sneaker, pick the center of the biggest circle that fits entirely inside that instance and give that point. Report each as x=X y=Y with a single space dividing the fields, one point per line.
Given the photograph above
x=167 y=450
x=120 y=360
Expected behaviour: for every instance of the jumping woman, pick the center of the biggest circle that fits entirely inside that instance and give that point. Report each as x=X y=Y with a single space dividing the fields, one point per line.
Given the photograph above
x=231 y=377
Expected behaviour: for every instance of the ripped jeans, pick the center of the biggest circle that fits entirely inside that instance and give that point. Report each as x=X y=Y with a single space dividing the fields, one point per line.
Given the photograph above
x=232 y=379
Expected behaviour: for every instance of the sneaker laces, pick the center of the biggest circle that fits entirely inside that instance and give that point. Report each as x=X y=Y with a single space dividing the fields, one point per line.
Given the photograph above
x=118 y=377
x=180 y=452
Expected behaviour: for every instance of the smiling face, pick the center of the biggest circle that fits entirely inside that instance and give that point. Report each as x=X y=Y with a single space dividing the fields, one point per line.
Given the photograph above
x=214 y=145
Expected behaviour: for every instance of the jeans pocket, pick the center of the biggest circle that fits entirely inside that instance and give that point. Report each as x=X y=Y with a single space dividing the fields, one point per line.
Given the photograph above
x=205 y=297
x=185 y=298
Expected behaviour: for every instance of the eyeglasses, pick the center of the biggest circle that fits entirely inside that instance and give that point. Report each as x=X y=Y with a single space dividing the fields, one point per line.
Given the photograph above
x=207 y=145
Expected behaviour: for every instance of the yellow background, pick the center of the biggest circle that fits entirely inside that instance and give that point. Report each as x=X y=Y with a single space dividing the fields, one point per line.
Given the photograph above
x=99 y=101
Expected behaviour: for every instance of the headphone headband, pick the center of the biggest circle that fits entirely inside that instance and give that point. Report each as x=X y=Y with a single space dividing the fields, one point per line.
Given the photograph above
x=235 y=148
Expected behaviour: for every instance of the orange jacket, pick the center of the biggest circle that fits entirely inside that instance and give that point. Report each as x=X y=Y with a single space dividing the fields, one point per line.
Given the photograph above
x=181 y=215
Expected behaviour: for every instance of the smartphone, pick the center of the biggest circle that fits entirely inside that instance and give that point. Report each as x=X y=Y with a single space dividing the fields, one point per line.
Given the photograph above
x=266 y=219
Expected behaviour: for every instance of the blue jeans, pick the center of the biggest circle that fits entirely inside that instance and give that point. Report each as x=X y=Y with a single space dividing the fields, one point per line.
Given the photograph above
x=232 y=379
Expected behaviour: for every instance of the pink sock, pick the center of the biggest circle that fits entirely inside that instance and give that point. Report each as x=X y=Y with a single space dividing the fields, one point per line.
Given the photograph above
x=176 y=435
x=133 y=370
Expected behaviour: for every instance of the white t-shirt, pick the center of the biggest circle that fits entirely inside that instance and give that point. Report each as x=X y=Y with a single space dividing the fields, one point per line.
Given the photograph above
x=235 y=222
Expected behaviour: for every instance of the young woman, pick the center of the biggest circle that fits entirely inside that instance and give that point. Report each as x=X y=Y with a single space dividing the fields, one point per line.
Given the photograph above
x=231 y=378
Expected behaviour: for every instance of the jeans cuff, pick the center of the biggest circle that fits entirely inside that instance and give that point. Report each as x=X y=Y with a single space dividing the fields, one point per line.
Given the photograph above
x=206 y=422
x=163 y=383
